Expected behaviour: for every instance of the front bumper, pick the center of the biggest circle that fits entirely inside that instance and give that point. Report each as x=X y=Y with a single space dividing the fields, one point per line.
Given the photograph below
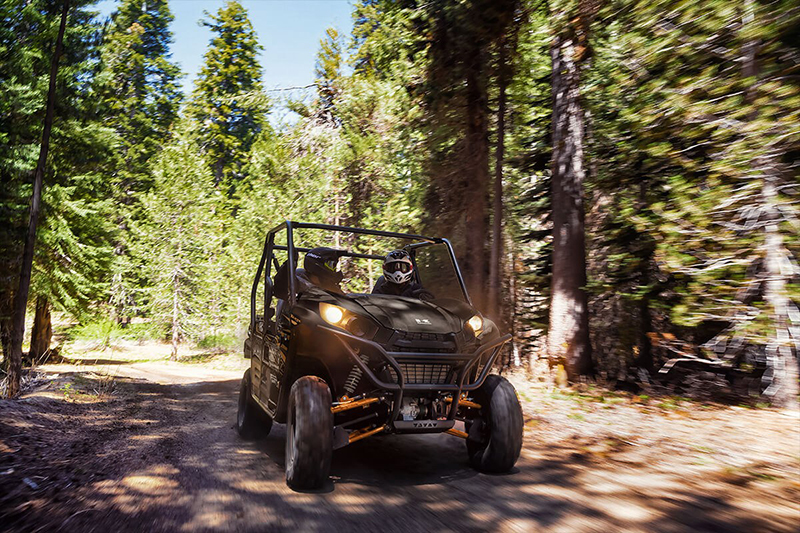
x=461 y=363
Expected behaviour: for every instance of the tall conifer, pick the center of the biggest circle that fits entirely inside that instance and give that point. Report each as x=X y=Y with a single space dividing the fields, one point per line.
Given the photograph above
x=138 y=86
x=225 y=101
x=72 y=251
x=139 y=98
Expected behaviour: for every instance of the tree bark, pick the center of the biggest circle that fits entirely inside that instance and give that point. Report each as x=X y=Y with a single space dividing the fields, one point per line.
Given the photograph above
x=781 y=349
x=475 y=205
x=175 y=316
x=783 y=388
x=645 y=357
x=494 y=306
x=568 y=336
x=21 y=297
x=42 y=332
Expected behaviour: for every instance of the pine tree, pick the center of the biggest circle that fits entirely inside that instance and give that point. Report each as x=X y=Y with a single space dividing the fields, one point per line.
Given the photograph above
x=174 y=236
x=463 y=37
x=138 y=86
x=72 y=251
x=225 y=103
x=728 y=227
x=139 y=97
x=529 y=221
x=328 y=70
x=568 y=334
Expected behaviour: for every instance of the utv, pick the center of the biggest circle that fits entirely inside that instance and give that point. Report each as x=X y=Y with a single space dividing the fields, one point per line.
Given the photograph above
x=338 y=368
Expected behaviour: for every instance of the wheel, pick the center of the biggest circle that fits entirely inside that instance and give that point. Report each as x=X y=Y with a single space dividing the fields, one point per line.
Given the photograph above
x=495 y=436
x=251 y=421
x=309 y=434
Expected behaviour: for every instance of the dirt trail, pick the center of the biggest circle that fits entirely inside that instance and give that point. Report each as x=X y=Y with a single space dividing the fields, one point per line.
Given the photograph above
x=162 y=455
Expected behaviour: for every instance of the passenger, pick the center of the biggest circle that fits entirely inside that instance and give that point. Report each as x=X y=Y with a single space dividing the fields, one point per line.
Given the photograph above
x=398 y=272
x=321 y=270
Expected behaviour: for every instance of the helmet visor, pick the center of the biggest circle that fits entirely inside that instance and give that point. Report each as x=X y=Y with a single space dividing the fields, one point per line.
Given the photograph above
x=397 y=266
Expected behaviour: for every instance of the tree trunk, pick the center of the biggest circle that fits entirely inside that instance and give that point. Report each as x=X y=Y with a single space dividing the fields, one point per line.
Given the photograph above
x=21 y=297
x=475 y=205
x=644 y=359
x=497 y=201
x=175 y=317
x=568 y=336
x=42 y=331
x=783 y=388
x=5 y=340
x=781 y=352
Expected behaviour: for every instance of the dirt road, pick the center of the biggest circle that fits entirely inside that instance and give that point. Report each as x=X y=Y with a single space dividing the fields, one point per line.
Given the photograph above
x=165 y=457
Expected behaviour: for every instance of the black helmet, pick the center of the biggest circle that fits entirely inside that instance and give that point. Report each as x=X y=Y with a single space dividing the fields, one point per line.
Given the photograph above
x=322 y=263
x=397 y=267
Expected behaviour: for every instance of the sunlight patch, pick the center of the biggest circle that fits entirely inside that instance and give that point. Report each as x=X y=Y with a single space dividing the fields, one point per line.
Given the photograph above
x=155 y=485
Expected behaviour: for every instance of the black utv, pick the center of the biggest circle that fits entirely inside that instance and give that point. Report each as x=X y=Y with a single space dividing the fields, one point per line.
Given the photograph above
x=337 y=368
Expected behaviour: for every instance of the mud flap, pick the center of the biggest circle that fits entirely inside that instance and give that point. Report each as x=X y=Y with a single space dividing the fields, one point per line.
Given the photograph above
x=340 y=437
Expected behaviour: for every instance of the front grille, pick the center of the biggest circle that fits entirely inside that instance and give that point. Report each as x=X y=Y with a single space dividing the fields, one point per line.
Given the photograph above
x=437 y=374
x=423 y=342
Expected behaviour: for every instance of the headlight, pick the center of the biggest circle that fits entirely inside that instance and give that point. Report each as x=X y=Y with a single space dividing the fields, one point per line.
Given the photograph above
x=341 y=317
x=476 y=324
x=332 y=314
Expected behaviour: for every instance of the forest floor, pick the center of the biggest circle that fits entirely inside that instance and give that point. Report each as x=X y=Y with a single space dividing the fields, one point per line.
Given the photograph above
x=130 y=441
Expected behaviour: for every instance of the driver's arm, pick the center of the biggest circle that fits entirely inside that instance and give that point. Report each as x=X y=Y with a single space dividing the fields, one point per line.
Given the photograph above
x=379 y=287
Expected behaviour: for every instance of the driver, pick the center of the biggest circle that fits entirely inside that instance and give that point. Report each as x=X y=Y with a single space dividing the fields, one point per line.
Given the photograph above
x=398 y=272
x=320 y=269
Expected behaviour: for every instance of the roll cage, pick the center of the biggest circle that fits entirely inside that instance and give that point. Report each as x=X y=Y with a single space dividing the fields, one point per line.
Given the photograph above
x=268 y=258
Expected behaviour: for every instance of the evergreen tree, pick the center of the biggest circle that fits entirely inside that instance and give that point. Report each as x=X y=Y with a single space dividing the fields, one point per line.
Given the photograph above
x=463 y=39
x=175 y=236
x=328 y=70
x=527 y=195
x=73 y=250
x=568 y=334
x=225 y=101
x=138 y=86
x=139 y=98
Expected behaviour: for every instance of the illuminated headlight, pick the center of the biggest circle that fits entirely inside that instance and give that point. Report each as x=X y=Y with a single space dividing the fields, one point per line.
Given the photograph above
x=476 y=324
x=332 y=314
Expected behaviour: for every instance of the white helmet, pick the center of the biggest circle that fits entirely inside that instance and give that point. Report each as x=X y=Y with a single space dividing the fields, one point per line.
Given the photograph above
x=397 y=267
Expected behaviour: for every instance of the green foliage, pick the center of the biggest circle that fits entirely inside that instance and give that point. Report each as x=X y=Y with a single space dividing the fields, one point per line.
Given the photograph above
x=138 y=87
x=228 y=118
x=177 y=236
x=74 y=250
x=691 y=157
x=328 y=71
x=138 y=97
x=691 y=111
x=106 y=332
x=219 y=342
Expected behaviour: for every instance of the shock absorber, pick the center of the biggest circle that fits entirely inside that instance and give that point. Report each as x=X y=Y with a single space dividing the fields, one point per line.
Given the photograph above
x=354 y=377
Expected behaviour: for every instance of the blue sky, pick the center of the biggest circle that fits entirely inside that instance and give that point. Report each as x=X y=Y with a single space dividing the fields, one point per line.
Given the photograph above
x=289 y=31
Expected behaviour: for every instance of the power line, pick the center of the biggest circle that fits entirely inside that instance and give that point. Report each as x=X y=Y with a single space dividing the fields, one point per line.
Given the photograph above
x=279 y=89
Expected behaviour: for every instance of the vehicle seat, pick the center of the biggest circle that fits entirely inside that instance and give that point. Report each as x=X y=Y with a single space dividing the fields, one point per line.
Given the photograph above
x=280 y=284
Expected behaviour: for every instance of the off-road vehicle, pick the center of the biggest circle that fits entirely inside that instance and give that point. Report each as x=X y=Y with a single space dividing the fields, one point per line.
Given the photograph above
x=338 y=368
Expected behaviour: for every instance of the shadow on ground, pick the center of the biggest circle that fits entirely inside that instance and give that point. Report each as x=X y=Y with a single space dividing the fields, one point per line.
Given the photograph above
x=166 y=458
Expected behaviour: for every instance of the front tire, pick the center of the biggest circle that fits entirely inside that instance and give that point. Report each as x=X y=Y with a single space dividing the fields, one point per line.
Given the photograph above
x=309 y=434
x=495 y=437
x=251 y=421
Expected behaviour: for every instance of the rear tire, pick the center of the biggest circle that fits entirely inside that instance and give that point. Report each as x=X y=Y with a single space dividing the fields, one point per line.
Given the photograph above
x=495 y=437
x=309 y=434
x=251 y=421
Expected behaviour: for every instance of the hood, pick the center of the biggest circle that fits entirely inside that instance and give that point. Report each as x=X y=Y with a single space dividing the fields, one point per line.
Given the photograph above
x=412 y=315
